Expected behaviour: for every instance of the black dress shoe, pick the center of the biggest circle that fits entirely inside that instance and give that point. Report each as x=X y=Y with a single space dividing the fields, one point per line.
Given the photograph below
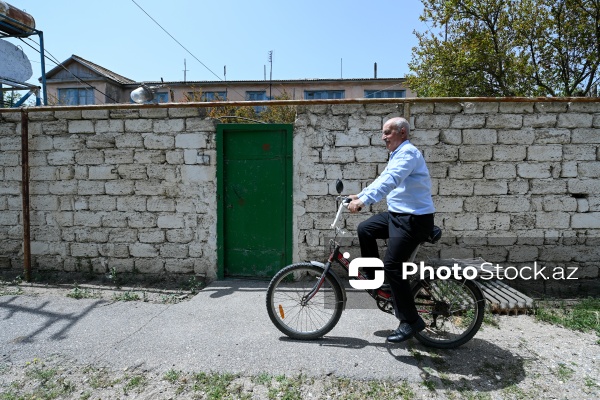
x=405 y=331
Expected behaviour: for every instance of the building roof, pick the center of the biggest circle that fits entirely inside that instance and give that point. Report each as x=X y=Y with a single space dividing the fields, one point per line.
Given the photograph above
x=94 y=67
x=274 y=81
x=106 y=73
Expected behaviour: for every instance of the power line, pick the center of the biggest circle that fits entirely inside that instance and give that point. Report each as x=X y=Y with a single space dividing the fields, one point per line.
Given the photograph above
x=177 y=41
x=182 y=46
x=58 y=63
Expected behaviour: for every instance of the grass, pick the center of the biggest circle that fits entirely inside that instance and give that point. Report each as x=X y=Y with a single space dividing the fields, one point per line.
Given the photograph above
x=135 y=382
x=583 y=316
x=172 y=376
x=54 y=380
x=78 y=293
x=193 y=285
x=590 y=383
x=10 y=288
x=344 y=388
x=213 y=384
x=44 y=382
x=287 y=388
x=126 y=296
x=563 y=372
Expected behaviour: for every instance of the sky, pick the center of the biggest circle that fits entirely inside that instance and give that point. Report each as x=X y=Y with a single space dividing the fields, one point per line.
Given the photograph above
x=310 y=39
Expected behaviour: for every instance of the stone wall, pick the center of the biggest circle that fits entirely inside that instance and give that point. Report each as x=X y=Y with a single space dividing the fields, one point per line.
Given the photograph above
x=513 y=182
x=134 y=188
x=112 y=189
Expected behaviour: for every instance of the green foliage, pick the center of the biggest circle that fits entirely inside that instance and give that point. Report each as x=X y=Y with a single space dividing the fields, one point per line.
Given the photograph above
x=136 y=382
x=507 y=48
x=78 y=293
x=127 y=296
x=583 y=316
x=172 y=375
x=275 y=114
x=213 y=384
x=9 y=99
x=279 y=114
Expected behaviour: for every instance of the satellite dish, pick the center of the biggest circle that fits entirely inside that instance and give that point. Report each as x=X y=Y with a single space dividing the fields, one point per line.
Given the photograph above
x=14 y=64
x=142 y=94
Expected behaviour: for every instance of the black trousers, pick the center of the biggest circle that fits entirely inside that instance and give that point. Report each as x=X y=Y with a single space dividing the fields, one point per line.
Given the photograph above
x=404 y=232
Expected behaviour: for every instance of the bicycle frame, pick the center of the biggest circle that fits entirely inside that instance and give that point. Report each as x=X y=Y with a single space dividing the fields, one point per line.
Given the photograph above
x=452 y=309
x=337 y=256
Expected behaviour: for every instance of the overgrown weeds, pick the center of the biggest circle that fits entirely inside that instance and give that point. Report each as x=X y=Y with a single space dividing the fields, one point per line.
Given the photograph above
x=582 y=316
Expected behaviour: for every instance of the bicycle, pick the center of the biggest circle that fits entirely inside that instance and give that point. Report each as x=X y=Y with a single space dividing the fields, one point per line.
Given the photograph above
x=306 y=300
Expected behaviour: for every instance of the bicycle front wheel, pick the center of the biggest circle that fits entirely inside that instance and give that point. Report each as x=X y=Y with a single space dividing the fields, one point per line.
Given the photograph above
x=452 y=310
x=290 y=310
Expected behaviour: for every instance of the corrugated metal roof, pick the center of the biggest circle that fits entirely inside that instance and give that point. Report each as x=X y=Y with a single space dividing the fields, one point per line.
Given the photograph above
x=274 y=81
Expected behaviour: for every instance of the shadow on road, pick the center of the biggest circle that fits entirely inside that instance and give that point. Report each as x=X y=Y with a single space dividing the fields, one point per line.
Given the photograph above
x=479 y=364
x=50 y=318
x=228 y=287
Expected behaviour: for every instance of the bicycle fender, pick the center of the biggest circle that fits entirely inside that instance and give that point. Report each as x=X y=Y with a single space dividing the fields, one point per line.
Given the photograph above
x=337 y=279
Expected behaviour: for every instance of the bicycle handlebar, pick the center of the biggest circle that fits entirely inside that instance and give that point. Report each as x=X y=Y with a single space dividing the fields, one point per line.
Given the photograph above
x=344 y=203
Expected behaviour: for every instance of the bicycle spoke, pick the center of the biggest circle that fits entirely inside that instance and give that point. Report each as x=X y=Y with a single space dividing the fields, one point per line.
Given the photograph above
x=293 y=312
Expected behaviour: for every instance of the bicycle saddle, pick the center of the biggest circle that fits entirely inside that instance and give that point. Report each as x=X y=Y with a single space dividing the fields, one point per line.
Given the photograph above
x=435 y=235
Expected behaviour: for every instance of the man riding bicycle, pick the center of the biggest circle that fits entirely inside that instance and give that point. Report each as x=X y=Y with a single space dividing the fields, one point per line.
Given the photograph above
x=406 y=185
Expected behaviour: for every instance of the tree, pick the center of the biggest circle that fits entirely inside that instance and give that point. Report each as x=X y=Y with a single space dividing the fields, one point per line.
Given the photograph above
x=507 y=48
x=10 y=98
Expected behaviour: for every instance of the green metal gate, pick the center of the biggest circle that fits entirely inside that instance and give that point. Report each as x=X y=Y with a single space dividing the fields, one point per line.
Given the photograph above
x=254 y=191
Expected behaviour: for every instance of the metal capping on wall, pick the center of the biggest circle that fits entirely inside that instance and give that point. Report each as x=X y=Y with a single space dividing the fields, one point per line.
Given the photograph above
x=404 y=100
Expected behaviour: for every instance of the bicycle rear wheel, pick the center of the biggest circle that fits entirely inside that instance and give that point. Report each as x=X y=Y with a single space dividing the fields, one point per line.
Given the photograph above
x=452 y=310
x=289 y=310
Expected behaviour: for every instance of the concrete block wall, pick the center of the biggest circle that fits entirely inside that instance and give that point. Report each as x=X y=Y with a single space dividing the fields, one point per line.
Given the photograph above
x=134 y=189
x=513 y=182
x=129 y=190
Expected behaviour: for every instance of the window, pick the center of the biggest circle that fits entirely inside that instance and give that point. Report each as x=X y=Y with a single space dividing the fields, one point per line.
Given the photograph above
x=262 y=95
x=75 y=97
x=256 y=96
x=384 y=94
x=194 y=96
x=214 y=96
x=161 y=97
x=323 y=94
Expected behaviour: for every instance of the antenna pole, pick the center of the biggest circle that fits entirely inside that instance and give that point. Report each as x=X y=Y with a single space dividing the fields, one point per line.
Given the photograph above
x=271 y=74
x=184 y=71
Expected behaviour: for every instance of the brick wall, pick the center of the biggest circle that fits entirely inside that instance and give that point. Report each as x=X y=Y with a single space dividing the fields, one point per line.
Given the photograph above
x=134 y=188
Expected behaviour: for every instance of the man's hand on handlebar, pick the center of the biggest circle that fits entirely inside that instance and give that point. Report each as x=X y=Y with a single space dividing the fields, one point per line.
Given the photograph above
x=355 y=205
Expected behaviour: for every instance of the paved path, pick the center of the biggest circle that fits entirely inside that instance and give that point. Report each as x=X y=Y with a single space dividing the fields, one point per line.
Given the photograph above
x=226 y=328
